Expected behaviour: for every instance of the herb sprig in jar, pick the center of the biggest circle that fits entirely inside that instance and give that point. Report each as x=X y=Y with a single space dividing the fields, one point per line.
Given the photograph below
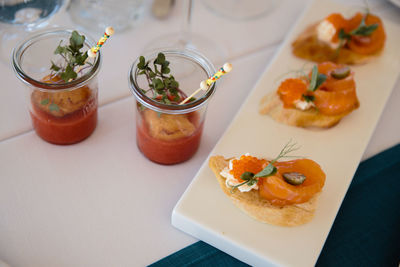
x=162 y=85
x=72 y=58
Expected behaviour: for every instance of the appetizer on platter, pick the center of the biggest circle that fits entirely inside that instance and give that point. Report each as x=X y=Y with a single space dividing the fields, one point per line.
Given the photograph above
x=320 y=99
x=341 y=40
x=281 y=193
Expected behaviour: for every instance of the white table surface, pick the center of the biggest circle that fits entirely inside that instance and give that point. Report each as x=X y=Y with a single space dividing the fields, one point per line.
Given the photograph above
x=100 y=202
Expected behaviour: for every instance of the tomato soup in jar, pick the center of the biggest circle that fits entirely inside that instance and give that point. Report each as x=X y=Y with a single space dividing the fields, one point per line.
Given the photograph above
x=62 y=93
x=168 y=138
x=168 y=132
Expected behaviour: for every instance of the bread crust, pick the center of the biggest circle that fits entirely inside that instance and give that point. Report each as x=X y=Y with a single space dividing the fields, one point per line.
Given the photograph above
x=272 y=105
x=307 y=46
x=260 y=209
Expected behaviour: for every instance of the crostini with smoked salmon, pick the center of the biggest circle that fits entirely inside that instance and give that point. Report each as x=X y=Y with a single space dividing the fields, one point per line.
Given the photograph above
x=340 y=40
x=276 y=192
x=320 y=99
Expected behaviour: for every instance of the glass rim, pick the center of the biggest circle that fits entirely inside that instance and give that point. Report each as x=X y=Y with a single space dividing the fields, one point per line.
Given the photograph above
x=148 y=102
x=23 y=45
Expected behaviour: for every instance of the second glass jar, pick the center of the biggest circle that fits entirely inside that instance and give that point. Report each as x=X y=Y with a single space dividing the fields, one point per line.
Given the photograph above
x=166 y=132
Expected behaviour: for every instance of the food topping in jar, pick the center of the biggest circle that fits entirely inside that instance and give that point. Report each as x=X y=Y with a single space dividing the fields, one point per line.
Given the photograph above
x=168 y=126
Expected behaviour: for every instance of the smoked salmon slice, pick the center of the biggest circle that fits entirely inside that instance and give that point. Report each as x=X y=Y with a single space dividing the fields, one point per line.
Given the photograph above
x=279 y=192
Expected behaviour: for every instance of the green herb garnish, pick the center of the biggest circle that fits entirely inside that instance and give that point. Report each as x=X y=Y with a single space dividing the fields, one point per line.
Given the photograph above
x=364 y=30
x=316 y=79
x=250 y=178
x=343 y=35
x=361 y=30
x=162 y=84
x=72 y=55
x=308 y=98
x=54 y=107
x=44 y=101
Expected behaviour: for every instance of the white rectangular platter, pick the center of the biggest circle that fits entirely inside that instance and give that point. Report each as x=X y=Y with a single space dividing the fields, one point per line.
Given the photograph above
x=206 y=213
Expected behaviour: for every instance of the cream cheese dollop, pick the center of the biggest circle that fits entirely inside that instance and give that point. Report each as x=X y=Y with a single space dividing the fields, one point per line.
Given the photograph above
x=303 y=105
x=325 y=33
x=232 y=181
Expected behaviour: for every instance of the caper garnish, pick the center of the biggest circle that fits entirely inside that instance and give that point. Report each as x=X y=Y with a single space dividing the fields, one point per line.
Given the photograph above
x=340 y=73
x=294 y=178
x=246 y=176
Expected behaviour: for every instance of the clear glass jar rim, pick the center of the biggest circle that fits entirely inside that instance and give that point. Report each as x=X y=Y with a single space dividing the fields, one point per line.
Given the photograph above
x=200 y=59
x=22 y=46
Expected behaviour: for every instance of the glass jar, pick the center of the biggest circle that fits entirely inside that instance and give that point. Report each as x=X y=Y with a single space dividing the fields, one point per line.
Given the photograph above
x=61 y=112
x=169 y=133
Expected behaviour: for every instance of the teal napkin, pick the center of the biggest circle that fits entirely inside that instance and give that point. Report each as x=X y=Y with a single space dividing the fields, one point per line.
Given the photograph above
x=366 y=231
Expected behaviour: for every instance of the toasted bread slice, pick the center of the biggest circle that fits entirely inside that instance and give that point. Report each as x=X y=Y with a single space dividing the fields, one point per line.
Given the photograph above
x=272 y=105
x=307 y=46
x=260 y=209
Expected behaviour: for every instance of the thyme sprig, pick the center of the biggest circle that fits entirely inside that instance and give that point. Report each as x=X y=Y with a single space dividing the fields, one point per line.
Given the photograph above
x=162 y=84
x=251 y=179
x=72 y=58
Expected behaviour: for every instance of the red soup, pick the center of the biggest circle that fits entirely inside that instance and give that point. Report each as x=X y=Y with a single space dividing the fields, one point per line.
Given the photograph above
x=64 y=117
x=168 y=138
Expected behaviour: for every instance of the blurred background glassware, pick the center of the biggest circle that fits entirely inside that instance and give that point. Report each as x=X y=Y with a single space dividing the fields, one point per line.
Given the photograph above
x=18 y=18
x=187 y=39
x=241 y=9
x=162 y=8
x=61 y=112
x=96 y=15
x=171 y=133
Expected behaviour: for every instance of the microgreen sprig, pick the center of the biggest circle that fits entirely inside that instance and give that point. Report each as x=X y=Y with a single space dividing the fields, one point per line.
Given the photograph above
x=163 y=86
x=73 y=57
x=250 y=178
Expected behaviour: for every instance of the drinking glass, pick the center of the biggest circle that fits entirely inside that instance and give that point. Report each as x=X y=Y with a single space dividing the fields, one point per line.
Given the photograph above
x=187 y=39
x=241 y=9
x=171 y=133
x=61 y=112
x=19 y=18
x=96 y=15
